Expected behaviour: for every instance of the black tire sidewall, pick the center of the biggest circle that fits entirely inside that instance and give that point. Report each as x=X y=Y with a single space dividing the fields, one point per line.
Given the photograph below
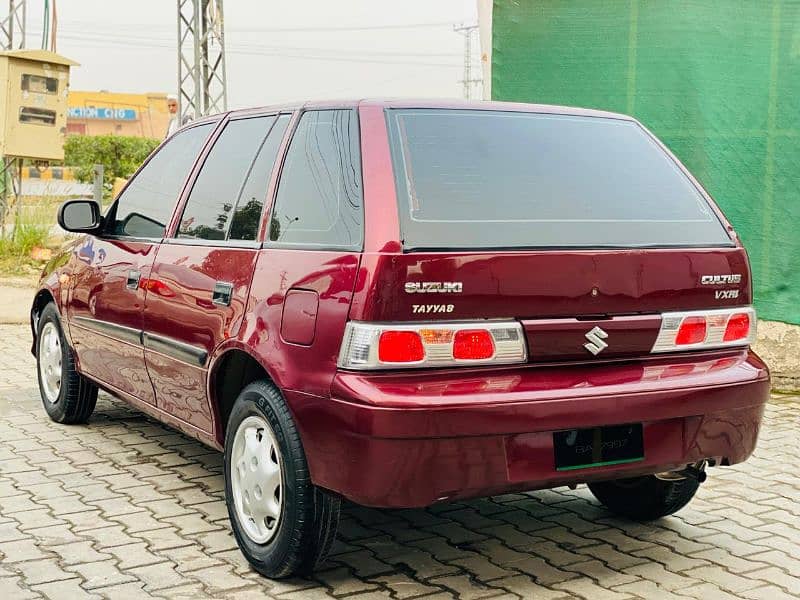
x=276 y=557
x=645 y=498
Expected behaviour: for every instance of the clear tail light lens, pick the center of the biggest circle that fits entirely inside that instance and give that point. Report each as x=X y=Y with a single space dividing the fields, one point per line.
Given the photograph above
x=705 y=330
x=407 y=345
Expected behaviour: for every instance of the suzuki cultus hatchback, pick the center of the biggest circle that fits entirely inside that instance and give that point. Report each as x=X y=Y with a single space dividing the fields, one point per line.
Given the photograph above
x=405 y=303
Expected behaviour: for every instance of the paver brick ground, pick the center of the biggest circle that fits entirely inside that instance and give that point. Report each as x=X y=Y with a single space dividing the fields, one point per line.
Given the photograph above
x=125 y=507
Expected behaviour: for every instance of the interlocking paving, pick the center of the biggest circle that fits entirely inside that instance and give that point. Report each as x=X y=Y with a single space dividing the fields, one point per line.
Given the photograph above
x=127 y=508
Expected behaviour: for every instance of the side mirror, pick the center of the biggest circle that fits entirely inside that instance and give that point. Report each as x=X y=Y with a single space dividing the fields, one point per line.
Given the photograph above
x=80 y=216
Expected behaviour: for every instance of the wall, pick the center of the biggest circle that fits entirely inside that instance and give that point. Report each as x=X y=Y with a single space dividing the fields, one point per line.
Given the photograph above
x=778 y=344
x=717 y=80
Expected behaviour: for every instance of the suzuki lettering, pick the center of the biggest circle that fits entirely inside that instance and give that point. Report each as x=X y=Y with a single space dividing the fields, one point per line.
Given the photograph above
x=433 y=287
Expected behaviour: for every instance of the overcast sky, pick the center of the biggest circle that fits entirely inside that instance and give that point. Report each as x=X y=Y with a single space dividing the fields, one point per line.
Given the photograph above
x=278 y=50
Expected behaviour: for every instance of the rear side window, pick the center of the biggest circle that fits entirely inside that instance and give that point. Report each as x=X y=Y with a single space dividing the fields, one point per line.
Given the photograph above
x=247 y=216
x=491 y=179
x=146 y=205
x=230 y=189
x=319 y=202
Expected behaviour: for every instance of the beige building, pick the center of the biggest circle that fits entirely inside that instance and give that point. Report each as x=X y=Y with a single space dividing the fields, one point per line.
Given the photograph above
x=109 y=113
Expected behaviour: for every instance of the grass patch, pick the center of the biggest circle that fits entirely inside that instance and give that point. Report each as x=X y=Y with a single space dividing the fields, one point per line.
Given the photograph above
x=15 y=250
x=26 y=229
x=25 y=237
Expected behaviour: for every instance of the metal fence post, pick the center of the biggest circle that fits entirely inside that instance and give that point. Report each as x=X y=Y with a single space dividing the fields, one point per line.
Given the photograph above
x=98 y=184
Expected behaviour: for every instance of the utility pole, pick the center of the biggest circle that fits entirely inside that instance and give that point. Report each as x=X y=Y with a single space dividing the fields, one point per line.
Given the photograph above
x=469 y=82
x=12 y=28
x=202 y=82
x=12 y=37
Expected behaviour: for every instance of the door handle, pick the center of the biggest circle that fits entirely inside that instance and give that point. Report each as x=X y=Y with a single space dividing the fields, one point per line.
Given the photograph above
x=223 y=292
x=133 y=279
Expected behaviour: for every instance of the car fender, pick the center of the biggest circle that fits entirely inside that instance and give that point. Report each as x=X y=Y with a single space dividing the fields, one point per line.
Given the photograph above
x=54 y=285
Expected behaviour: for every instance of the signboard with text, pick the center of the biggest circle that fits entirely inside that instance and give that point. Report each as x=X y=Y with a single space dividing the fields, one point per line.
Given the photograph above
x=102 y=113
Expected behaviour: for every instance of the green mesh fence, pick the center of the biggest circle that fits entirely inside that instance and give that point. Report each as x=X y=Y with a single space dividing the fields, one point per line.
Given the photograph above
x=717 y=80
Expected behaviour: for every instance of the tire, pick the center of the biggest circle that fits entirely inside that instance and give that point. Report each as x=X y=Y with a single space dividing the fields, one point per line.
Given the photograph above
x=285 y=530
x=645 y=498
x=67 y=396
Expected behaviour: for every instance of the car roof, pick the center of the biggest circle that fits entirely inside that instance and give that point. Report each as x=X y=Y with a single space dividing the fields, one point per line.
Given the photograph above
x=446 y=103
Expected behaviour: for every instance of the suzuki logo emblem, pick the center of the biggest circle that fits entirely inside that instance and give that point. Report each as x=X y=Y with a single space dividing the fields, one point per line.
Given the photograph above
x=596 y=345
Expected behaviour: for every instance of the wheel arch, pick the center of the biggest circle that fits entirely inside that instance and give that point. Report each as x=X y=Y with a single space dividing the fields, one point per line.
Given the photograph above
x=42 y=298
x=231 y=369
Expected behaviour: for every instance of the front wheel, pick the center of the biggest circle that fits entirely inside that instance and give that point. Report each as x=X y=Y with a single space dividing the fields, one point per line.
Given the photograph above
x=67 y=396
x=645 y=498
x=283 y=523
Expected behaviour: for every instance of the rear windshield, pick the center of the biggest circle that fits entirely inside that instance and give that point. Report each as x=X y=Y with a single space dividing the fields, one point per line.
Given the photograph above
x=492 y=179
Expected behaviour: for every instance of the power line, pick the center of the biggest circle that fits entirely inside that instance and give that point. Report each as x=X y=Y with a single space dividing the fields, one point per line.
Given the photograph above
x=315 y=54
x=322 y=29
x=343 y=28
x=163 y=42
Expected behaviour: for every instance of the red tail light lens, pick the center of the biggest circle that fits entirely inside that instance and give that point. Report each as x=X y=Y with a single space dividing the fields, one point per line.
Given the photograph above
x=400 y=347
x=473 y=344
x=692 y=331
x=738 y=327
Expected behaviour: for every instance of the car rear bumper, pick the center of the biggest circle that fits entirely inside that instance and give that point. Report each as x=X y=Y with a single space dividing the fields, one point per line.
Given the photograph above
x=413 y=439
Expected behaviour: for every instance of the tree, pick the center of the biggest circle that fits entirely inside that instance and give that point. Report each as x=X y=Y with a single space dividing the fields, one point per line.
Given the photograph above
x=119 y=155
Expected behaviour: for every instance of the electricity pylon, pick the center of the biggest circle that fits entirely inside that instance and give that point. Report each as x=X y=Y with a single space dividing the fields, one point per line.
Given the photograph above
x=202 y=82
x=469 y=82
x=12 y=37
x=12 y=28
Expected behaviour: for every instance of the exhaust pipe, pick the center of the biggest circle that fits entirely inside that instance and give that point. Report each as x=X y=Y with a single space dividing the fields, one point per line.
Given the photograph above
x=696 y=471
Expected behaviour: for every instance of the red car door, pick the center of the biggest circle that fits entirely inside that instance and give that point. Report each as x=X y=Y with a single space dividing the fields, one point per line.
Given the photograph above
x=198 y=288
x=106 y=298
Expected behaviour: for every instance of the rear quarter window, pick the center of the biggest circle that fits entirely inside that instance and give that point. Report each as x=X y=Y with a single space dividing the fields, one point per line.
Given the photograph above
x=492 y=179
x=319 y=203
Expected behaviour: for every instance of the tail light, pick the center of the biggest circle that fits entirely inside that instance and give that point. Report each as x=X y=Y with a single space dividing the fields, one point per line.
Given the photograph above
x=400 y=347
x=473 y=344
x=692 y=331
x=738 y=327
x=703 y=330
x=407 y=345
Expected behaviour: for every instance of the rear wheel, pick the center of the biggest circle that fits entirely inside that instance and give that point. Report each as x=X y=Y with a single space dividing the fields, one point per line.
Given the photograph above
x=283 y=523
x=645 y=498
x=67 y=396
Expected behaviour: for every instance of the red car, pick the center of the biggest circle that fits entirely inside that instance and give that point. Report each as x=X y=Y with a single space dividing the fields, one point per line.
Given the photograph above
x=403 y=303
